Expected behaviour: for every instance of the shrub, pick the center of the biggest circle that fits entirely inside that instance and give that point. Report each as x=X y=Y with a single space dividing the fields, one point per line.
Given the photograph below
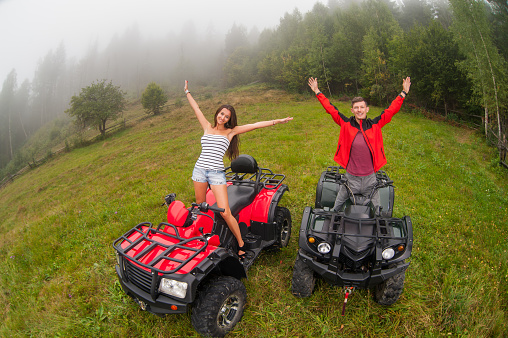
x=153 y=98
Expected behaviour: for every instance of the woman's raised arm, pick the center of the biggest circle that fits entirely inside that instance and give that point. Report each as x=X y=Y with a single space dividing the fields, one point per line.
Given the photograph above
x=199 y=114
x=248 y=127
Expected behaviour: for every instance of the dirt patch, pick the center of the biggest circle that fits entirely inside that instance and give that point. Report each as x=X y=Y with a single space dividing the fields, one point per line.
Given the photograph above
x=463 y=136
x=256 y=95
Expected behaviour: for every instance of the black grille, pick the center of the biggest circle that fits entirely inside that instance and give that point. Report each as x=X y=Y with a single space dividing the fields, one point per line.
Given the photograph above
x=359 y=253
x=355 y=260
x=139 y=277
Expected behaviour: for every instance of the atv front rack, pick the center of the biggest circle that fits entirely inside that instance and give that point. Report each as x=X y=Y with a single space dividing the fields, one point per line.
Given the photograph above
x=146 y=239
x=385 y=228
x=267 y=178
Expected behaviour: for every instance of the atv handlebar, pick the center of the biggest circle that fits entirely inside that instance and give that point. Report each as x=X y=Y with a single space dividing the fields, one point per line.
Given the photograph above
x=204 y=207
x=383 y=183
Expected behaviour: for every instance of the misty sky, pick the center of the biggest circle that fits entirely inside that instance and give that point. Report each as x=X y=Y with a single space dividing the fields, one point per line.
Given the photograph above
x=30 y=28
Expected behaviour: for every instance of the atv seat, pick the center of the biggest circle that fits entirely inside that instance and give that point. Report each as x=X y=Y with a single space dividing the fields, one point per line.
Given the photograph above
x=244 y=164
x=239 y=197
x=241 y=193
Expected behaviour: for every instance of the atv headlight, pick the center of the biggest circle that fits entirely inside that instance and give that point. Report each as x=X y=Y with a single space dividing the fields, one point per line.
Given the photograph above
x=173 y=287
x=388 y=253
x=324 y=248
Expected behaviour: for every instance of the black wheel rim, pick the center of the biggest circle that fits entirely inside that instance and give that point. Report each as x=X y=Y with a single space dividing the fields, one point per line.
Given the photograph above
x=284 y=232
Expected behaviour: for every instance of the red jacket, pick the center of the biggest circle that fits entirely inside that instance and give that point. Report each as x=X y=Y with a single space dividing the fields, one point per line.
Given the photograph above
x=371 y=129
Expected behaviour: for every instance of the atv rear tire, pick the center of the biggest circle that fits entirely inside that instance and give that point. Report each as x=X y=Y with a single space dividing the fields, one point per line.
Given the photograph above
x=283 y=220
x=390 y=290
x=303 y=279
x=219 y=306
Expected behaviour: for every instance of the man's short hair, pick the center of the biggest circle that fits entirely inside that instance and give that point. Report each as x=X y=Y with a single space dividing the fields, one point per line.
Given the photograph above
x=358 y=99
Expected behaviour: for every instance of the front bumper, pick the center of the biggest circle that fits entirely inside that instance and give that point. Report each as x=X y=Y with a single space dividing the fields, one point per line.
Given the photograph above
x=365 y=280
x=162 y=304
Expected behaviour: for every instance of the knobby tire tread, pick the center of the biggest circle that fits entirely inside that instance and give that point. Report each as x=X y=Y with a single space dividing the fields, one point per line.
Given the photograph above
x=304 y=280
x=209 y=301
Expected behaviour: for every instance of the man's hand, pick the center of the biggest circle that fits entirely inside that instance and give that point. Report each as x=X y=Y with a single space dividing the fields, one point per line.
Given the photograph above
x=406 y=83
x=313 y=85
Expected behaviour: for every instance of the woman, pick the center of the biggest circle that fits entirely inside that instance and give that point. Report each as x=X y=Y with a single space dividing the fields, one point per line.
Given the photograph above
x=218 y=139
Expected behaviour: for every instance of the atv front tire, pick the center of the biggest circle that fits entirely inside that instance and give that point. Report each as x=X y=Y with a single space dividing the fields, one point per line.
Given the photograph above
x=219 y=306
x=303 y=279
x=390 y=290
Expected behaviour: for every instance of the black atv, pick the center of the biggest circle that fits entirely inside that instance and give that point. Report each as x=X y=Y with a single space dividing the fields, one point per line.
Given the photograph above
x=361 y=246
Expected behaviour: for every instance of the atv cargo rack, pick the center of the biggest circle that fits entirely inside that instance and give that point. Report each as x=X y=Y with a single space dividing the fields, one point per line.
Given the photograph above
x=146 y=239
x=343 y=226
x=267 y=178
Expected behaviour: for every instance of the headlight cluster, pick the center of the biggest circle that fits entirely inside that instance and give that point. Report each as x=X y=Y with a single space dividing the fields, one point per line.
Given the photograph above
x=324 y=248
x=173 y=288
x=389 y=253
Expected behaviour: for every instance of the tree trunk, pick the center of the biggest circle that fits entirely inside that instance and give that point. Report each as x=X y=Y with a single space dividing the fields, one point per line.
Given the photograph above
x=102 y=127
x=324 y=72
x=493 y=86
x=486 y=119
x=10 y=137
x=23 y=127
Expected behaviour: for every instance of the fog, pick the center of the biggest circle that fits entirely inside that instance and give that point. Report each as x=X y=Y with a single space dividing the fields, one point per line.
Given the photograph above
x=31 y=28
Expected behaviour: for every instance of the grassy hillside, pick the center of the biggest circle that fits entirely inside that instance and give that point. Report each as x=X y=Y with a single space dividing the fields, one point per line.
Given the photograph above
x=58 y=221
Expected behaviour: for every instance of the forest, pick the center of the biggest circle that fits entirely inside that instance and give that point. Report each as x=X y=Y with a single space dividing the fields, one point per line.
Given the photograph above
x=455 y=52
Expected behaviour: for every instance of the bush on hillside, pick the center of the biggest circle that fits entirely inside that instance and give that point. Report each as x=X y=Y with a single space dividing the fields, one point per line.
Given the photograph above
x=153 y=98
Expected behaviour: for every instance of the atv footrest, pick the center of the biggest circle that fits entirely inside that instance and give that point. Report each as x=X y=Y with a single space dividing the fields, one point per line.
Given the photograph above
x=252 y=241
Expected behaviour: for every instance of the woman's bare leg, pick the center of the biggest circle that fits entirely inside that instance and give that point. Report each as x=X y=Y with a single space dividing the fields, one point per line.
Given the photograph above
x=221 y=196
x=200 y=191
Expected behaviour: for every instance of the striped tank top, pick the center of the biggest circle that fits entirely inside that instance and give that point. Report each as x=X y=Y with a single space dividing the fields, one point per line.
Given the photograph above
x=213 y=148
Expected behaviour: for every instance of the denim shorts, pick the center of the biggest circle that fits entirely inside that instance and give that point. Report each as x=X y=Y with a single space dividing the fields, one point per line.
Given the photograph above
x=213 y=177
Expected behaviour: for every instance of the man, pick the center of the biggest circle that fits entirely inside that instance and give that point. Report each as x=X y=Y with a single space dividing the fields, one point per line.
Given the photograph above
x=360 y=149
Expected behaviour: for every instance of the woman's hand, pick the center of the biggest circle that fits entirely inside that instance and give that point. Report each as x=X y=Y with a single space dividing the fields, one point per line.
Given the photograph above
x=286 y=120
x=186 y=88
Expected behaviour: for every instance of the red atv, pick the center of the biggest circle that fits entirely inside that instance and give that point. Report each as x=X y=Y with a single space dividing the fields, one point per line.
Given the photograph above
x=192 y=259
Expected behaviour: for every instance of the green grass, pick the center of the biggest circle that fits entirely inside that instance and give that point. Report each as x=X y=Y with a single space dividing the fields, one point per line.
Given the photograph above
x=58 y=222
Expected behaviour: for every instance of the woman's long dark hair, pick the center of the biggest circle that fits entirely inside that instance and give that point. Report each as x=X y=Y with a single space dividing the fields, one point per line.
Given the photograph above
x=233 y=149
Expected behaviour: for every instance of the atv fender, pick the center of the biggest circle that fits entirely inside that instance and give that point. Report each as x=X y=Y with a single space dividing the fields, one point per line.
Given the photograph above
x=302 y=238
x=265 y=204
x=177 y=213
x=179 y=216
x=275 y=202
